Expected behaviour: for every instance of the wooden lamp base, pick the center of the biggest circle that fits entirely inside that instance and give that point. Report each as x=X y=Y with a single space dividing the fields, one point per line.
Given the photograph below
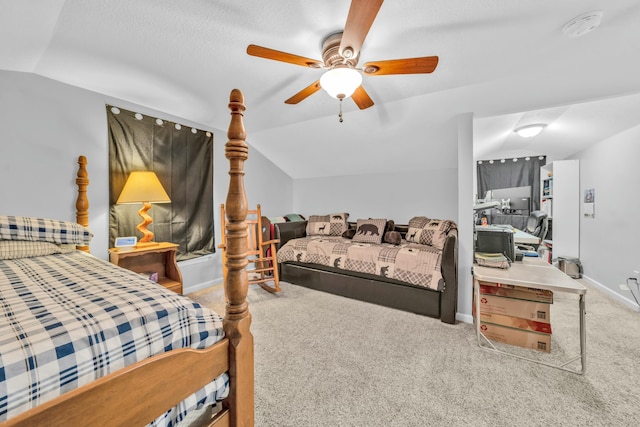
x=147 y=235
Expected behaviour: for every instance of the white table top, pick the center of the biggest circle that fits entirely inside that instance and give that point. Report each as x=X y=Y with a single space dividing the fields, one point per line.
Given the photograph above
x=525 y=238
x=531 y=272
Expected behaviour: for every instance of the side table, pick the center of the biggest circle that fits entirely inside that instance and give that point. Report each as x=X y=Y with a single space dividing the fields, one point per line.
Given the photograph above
x=159 y=258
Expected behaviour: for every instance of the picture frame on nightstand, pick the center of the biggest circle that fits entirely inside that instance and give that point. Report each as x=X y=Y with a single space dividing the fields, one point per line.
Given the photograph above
x=126 y=242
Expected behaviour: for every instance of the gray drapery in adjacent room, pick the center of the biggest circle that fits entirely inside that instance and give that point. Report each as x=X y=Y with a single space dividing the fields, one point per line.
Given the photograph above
x=183 y=161
x=521 y=173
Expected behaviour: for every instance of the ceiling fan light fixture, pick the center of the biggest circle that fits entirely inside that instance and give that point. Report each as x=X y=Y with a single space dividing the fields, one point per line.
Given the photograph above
x=341 y=82
x=529 y=131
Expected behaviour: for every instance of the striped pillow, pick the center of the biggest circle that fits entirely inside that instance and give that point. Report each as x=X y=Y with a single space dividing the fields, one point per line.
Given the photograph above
x=12 y=249
x=43 y=230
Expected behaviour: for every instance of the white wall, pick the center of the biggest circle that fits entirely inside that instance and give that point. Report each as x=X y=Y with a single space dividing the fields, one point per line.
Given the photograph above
x=400 y=196
x=609 y=242
x=466 y=191
x=47 y=124
x=397 y=196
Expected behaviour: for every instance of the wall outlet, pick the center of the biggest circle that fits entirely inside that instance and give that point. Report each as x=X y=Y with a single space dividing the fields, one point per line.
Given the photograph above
x=636 y=274
x=623 y=287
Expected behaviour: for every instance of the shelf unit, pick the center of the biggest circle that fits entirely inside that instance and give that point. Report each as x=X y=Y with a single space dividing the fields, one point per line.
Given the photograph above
x=560 y=198
x=158 y=258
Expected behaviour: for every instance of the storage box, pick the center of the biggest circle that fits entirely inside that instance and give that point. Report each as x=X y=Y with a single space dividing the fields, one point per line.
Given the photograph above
x=538 y=311
x=515 y=322
x=518 y=292
x=527 y=339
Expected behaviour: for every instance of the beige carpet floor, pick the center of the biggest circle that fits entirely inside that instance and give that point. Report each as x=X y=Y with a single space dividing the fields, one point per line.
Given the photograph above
x=325 y=360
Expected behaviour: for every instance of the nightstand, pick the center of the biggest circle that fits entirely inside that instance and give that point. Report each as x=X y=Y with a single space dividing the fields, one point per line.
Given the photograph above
x=160 y=258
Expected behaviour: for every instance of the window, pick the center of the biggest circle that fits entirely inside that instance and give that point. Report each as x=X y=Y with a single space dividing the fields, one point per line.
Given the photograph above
x=510 y=173
x=182 y=158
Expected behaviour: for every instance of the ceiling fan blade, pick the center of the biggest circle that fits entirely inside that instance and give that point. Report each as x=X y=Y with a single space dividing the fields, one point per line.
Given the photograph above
x=426 y=64
x=304 y=93
x=362 y=13
x=361 y=98
x=276 y=55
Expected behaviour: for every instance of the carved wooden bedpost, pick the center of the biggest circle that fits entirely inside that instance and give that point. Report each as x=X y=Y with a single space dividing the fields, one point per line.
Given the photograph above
x=237 y=317
x=82 y=202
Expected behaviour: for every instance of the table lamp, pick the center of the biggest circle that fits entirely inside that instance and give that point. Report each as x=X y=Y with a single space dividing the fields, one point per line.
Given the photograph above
x=143 y=187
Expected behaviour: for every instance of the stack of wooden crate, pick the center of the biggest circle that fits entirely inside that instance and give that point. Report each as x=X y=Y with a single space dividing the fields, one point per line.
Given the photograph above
x=515 y=315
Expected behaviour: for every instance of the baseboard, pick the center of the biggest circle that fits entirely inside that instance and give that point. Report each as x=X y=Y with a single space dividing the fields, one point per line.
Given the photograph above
x=466 y=318
x=621 y=298
x=199 y=286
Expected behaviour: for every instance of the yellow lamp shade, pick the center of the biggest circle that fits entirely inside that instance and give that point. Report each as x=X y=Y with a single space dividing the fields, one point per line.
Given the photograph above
x=143 y=187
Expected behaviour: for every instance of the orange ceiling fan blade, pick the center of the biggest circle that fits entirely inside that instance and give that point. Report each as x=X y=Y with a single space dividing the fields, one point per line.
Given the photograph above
x=426 y=64
x=276 y=55
x=304 y=93
x=362 y=13
x=361 y=98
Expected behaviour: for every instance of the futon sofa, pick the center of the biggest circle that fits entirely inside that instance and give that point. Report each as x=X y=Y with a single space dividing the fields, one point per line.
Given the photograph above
x=409 y=267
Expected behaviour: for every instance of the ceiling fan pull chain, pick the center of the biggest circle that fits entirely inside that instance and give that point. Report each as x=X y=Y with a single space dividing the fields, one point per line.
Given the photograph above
x=340 y=115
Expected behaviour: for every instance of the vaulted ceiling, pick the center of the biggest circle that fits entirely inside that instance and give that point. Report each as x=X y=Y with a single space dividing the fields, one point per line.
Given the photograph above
x=508 y=62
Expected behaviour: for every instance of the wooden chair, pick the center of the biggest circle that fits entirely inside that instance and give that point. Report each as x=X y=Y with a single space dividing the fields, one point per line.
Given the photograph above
x=261 y=254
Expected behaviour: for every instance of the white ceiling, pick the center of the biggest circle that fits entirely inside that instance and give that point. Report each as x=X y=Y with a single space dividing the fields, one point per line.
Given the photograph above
x=506 y=61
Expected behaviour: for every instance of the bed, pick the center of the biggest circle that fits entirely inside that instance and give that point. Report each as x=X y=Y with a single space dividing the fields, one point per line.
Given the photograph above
x=84 y=342
x=417 y=271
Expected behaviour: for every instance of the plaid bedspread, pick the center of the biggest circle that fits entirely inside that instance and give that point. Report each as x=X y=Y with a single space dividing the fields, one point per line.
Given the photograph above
x=68 y=319
x=408 y=262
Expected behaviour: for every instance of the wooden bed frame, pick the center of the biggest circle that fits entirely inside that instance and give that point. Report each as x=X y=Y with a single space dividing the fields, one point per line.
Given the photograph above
x=138 y=394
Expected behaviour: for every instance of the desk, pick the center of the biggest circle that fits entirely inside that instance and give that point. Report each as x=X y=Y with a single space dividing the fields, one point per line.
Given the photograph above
x=534 y=273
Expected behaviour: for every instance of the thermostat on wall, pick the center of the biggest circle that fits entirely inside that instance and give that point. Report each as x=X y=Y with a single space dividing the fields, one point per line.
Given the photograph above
x=123 y=242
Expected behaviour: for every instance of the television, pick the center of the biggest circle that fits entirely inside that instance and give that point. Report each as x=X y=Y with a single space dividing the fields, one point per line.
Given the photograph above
x=496 y=240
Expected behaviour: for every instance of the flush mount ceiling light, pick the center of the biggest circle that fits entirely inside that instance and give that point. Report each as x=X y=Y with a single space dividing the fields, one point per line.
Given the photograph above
x=583 y=24
x=529 y=131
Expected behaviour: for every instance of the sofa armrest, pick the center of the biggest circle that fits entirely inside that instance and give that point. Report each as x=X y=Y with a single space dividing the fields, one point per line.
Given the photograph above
x=449 y=300
x=285 y=231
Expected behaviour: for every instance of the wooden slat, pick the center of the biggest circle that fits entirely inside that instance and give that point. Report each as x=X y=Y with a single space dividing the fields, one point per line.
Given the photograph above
x=276 y=55
x=362 y=13
x=362 y=98
x=133 y=396
x=421 y=65
x=304 y=93
x=221 y=419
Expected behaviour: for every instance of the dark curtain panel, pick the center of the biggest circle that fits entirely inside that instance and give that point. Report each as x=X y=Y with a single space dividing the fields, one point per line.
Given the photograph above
x=521 y=173
x=183 y=161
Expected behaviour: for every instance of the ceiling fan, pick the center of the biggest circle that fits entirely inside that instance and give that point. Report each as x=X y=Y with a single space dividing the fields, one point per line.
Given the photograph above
x=340 y=55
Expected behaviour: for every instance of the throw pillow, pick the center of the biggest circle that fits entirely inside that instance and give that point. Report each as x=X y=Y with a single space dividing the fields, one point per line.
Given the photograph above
x=434 y=233
x=327 y=225
x=416 y=225
x=349 y=233
x=393 y=237
x=369 y=230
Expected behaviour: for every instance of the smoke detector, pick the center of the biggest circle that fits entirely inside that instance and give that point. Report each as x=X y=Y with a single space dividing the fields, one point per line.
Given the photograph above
x=582 y=24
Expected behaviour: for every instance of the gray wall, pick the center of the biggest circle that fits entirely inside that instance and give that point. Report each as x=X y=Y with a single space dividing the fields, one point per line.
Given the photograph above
x=609 y=242
x=47 y=124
